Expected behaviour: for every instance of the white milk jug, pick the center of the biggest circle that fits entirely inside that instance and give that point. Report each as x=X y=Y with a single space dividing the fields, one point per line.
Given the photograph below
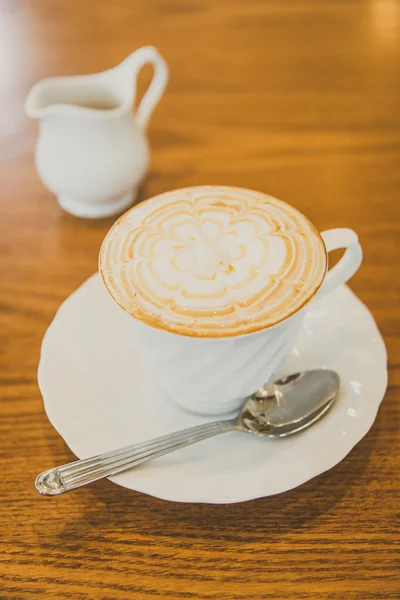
x=92 y=151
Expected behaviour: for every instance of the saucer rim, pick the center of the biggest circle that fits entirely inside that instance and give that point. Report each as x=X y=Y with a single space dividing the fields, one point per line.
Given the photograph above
x=206 y=499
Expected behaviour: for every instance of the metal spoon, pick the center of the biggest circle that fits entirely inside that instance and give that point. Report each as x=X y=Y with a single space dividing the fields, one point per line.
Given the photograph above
x=279 y=409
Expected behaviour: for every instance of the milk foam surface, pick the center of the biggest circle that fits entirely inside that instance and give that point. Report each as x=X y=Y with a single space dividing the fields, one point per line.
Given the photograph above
x=212 y=261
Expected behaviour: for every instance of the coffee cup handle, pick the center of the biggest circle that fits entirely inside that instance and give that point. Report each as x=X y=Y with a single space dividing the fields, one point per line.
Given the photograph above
x=347 y=265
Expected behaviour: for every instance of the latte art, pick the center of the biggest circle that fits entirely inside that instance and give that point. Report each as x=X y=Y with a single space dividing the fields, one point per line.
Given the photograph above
x=212 y=261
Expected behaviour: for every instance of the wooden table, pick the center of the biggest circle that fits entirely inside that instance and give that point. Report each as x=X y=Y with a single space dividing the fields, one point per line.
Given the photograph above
x=297 y=98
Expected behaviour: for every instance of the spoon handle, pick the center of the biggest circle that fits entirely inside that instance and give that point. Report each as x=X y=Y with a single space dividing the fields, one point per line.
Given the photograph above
x=81 y=472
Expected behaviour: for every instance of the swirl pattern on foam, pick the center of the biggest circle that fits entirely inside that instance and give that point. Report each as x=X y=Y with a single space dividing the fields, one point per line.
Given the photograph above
x=212 y=261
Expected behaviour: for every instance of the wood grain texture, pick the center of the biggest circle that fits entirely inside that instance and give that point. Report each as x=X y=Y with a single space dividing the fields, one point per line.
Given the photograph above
x=298 y=98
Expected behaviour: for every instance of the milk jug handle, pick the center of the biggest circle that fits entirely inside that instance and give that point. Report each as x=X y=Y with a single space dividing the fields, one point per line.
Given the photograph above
x=145 y=55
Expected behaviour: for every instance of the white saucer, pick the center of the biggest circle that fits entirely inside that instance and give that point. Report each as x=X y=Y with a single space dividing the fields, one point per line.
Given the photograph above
x=98 y=397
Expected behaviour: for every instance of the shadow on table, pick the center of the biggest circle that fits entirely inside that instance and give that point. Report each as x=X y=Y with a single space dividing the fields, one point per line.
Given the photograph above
x=104 y=509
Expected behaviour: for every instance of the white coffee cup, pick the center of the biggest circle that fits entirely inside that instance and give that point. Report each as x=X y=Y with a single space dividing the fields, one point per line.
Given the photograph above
x=212 y=376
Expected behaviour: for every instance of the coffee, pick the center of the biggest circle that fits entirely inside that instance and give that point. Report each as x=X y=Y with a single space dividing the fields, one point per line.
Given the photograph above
x=212 y=261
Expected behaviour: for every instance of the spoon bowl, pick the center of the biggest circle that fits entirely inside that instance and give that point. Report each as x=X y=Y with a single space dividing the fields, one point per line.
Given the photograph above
x=290 y=404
